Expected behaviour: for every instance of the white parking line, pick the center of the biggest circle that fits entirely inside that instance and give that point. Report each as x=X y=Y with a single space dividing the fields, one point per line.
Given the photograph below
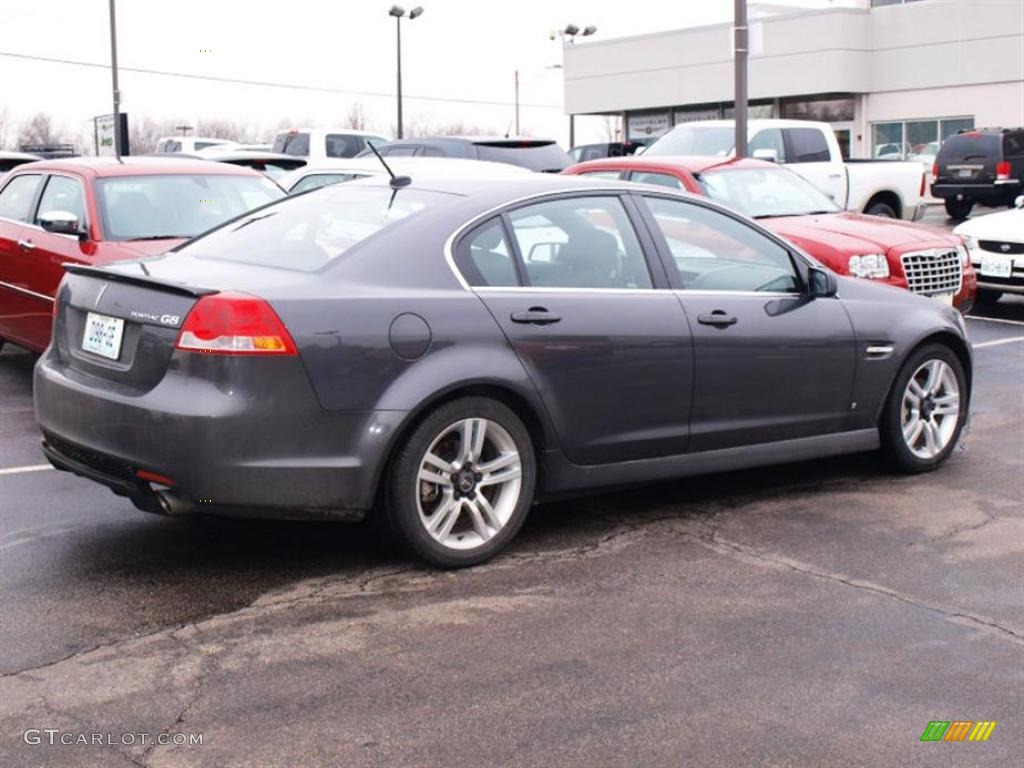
x=29 y=468
x=997 y=342
x=995 y=320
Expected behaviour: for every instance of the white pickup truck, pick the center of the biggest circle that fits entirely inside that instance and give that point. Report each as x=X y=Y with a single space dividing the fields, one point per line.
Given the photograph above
x=876 y=187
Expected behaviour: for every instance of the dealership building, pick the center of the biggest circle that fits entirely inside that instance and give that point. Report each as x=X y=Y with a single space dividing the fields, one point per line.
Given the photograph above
x=893 y=77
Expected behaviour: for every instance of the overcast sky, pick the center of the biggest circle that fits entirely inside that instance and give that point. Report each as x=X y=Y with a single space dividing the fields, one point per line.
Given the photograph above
x=458 y=49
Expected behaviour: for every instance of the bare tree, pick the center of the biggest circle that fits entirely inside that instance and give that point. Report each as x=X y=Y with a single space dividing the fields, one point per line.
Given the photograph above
x=40 y=129
x=356 y=117
x=6 y=124
x=144 y=132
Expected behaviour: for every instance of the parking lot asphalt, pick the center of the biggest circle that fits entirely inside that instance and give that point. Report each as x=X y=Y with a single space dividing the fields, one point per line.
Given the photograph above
x=819 y=613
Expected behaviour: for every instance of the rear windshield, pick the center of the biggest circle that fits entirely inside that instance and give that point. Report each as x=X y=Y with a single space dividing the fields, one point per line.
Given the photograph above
x=969 y=146
x=710 y=141
x=536 y=157
x=292 y=143
x=177 y=205
x=307 y=232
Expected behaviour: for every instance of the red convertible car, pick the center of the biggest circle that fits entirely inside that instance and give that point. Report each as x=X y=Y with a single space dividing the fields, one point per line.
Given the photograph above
x=922 y=259
x=97 y=210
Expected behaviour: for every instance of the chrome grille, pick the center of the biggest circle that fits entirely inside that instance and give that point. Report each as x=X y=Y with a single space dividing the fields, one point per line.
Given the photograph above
x=997 y=246
x=933 y=272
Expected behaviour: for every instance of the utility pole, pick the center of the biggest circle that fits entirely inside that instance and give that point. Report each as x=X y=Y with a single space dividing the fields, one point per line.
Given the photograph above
x=517 y=102
x=398 y=30
x=741 y=49
x=118 y=138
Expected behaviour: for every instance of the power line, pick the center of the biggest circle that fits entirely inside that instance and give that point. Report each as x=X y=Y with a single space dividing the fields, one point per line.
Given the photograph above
x=267 y=83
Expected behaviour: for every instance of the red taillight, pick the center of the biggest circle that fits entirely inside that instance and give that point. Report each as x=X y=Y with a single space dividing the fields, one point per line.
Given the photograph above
x=153 y=477
x=935 y=169
x=234 y=324
x=1002 y=171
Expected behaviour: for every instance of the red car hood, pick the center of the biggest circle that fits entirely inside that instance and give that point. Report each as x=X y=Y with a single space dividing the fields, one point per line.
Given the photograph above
x=853 y=233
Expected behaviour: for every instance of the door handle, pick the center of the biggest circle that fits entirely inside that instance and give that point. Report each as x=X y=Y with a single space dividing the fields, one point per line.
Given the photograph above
x=27 y=245
x=835 y=175
x=718 y=318
x=535 y=316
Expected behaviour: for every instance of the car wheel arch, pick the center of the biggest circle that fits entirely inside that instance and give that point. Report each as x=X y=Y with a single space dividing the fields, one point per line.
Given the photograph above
x=947 y=339
x=531 y=413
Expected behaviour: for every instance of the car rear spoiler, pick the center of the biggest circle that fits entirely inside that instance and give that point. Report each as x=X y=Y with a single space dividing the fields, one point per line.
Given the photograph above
x=139 y=280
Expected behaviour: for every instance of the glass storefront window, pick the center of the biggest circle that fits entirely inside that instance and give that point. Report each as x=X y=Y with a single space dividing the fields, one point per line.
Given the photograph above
x=825 y=110
x=754 y=112
x=914 y=139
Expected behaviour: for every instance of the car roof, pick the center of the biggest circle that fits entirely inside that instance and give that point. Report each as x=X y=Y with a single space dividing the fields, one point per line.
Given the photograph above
x=138 y=166
x=350 y=131
x=691 y=163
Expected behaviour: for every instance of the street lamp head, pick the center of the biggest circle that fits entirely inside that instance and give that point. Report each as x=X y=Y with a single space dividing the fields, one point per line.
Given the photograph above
x=397 y=11
x=588 y=31
x=415 y=12
x=571 y=30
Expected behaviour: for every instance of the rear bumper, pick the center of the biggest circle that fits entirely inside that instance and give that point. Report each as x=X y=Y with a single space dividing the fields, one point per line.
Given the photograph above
x=255 y=445
x=1002 y=194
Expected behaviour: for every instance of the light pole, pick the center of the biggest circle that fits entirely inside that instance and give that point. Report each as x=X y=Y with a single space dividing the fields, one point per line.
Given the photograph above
x=398 y=12
x=740 y=44
x=118 y=138
x=569 y=34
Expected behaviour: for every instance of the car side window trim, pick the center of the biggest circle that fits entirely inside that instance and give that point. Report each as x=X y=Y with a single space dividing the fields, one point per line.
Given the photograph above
x=800 y=265
x=460 y=232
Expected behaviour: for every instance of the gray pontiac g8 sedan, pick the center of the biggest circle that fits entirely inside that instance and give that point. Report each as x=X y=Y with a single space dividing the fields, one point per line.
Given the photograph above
x=445 y=352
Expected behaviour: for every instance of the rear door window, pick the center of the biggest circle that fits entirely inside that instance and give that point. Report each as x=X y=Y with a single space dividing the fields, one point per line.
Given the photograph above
x=771 y=138
x=806 y=145
x=342 y=145
x=292 y=143
x=16 y=198
x=579 y=242
x=485 y=258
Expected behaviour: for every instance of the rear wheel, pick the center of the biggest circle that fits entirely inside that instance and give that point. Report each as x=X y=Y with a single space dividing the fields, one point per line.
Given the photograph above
x=926 y=410
x=460 y=487
x=958 y=209
x=884 y=210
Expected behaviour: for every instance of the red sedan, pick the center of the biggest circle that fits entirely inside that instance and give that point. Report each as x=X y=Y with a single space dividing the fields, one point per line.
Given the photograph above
x=94 y=211
x=922 y=259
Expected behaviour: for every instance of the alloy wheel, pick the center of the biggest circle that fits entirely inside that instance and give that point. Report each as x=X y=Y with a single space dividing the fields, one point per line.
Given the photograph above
x=468 y=484
x=930 y=409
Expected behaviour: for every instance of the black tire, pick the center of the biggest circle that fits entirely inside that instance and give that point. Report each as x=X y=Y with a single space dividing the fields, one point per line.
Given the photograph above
x=987 y=297
x=894 y=446
x=401 y=505
x=959 y=209
x=883 y=210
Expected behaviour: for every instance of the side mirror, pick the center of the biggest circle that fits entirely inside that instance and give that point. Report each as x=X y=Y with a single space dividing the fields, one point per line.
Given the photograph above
x=771 y=155
x=61 y=223
x=1019 y=202
x=821 y=283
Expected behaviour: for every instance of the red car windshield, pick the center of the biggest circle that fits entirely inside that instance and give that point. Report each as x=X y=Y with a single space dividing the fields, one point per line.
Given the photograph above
x=766 y=192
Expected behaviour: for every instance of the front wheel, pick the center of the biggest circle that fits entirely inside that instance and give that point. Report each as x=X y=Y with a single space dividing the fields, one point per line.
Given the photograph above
x=926 y=410
x=460 y=487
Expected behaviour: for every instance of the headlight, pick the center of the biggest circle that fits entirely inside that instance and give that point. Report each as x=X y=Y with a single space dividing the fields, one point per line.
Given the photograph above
x=965 y=254
x=872 y=265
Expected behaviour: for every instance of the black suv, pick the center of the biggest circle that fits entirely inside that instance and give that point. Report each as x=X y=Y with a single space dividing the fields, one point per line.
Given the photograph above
x=535 y=154
x=985 y=166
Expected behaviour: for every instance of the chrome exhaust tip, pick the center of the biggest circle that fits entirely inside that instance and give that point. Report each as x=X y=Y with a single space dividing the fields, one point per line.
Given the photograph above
x=172 y=505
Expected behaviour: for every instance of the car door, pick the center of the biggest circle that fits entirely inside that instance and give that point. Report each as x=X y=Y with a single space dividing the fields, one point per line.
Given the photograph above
x=48 y=251
x=769 y=363
x=808 y=153
x=17 y=203
x=599 y=332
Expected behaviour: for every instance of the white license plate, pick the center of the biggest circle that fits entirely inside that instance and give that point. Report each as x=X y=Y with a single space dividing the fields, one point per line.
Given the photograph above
x=103 y=335
x=994 y=266
x=965 y=173
x=945 y=298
